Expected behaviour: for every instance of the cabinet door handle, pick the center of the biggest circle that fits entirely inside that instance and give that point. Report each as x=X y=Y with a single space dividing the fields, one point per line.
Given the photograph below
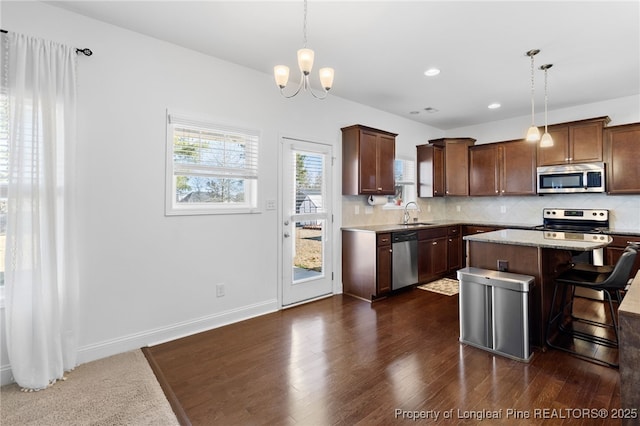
x=435 y=243
x=379 y=189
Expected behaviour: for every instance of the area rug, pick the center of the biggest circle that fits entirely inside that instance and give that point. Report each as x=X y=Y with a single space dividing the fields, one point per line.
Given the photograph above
x=119 y=390
x=445 y=286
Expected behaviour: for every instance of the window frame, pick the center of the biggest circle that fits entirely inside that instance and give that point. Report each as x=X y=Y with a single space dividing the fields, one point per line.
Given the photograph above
x=408 y=187
x=172 y=207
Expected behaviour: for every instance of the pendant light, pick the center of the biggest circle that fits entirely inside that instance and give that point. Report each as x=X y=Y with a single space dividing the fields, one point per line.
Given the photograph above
x=305 y=63
x=546 y=140
x=533 y=134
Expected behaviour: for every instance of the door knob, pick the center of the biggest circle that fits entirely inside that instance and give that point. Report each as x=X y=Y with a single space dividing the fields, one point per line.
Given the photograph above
x=287 y=235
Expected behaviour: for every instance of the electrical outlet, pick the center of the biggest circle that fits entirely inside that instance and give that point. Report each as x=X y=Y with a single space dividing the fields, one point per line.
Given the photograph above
x=219 y=290
x=458 y=208
x=503 y=265
x=356 y=209
x=503 y=209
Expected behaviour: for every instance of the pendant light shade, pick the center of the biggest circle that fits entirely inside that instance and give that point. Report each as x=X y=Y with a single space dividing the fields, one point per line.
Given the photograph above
x=546 y=140
x=533 y=134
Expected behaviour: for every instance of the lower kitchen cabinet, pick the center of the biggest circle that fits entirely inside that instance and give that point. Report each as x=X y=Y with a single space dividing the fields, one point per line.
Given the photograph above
x=432 y=254
x=366 y=264
x=383 y=284
x=454 y=249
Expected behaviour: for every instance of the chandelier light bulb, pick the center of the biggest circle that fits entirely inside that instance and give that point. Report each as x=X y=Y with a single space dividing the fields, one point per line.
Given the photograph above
x=305 y=60
x=326 y=78
x=281 y=73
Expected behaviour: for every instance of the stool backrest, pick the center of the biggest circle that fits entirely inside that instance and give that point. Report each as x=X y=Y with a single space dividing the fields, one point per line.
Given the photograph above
x=622 y=271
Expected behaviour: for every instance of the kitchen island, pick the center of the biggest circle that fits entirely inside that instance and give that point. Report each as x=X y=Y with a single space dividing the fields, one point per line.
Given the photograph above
x=541 y=254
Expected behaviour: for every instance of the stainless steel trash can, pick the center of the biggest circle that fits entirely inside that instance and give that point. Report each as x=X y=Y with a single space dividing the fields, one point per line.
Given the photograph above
x=494 y=311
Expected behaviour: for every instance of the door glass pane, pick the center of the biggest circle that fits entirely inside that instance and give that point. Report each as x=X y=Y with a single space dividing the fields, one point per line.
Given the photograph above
x=308 y=252
x=309 y=216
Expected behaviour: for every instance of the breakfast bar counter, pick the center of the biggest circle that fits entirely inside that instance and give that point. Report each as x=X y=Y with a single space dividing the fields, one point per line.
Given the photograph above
x=542 y=254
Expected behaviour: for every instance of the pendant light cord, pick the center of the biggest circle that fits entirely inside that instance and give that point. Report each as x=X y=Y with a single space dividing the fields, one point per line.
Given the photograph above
x=532 y=93
x=545 y=100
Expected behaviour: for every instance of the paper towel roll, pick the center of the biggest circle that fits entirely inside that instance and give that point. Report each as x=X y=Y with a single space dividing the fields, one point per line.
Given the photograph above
x=377 y=200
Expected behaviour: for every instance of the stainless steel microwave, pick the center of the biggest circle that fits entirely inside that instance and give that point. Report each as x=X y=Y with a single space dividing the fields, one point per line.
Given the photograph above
x=571 y=178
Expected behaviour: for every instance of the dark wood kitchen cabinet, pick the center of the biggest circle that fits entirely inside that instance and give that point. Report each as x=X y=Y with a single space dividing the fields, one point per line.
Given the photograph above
x=454 y=249
x=574 y=142
x=456 y=164
x=384 y=258
x=622 y=154
x=366 y=264
x=432 y=254
x=502 y=168
x=367 y=161
x=431 y=174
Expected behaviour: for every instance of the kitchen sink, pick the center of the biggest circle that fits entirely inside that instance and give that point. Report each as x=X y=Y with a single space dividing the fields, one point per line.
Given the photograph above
x=415 y=224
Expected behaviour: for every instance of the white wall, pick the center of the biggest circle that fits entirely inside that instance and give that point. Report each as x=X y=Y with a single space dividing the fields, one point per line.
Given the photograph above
x=621 y=111
x=146 y=277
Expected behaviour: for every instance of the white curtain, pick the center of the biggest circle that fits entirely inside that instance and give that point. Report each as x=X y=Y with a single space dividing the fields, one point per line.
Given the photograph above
x=41 y=282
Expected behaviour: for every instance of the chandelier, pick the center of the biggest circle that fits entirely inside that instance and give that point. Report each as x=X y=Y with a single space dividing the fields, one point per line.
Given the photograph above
x=305 y=63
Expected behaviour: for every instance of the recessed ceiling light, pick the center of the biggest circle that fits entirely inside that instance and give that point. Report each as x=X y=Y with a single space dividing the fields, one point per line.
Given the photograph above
x=431 y=72
x=494 y=105
x=431 y=110
x=414 y=112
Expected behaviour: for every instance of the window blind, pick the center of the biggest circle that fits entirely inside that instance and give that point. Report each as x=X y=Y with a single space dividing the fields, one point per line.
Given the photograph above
x=208 y=149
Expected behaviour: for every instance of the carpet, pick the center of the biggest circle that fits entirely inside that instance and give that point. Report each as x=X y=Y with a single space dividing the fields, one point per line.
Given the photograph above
x=118 y=390
x=445 y=286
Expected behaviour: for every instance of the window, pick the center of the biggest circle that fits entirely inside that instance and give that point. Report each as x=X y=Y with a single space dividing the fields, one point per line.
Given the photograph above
x=210 y=168
x=404 y=173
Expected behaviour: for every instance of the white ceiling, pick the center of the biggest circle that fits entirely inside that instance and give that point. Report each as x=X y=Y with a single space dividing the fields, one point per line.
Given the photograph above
x=380 y=49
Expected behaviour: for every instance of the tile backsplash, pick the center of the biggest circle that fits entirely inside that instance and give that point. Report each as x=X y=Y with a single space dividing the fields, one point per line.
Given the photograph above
x=624 y=210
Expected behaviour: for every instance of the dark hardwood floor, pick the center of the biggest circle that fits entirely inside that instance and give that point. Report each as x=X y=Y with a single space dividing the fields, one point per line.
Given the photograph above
x=343 y=361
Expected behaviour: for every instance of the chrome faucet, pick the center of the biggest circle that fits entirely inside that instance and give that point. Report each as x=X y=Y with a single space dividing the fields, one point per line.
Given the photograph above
x=406 y=216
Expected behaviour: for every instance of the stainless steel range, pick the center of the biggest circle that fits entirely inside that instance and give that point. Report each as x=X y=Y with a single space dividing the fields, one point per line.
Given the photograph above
x=577 y=225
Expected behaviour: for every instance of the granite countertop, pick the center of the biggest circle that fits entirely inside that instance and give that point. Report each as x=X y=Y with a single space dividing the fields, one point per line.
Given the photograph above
x=429 y=224
x=522 y=237
x=439 y=223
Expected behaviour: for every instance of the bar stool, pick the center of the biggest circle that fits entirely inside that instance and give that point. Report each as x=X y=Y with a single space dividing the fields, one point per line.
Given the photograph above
x=610 y=283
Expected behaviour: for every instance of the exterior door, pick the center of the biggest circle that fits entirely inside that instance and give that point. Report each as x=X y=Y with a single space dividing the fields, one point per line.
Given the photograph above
x=307 y=270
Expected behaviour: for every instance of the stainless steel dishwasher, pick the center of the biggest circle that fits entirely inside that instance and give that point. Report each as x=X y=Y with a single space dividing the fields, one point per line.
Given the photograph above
x=404 y=259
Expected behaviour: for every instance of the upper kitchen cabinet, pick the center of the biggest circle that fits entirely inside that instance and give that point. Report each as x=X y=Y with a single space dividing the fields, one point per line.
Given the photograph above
x=430 y=170
x=456 y=164
x=574 y=142
x=367 y=161
x=622 y=154
x=503 y=168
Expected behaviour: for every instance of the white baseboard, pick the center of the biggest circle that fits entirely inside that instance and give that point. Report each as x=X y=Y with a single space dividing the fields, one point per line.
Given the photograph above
x=160 y=335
